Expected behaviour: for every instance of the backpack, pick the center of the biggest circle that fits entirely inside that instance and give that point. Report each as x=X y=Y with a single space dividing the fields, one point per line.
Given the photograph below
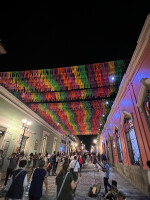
x=94 y=190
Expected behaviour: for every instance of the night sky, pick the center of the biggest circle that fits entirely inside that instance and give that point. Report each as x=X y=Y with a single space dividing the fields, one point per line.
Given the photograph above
x=44 y=35
x=87 y=140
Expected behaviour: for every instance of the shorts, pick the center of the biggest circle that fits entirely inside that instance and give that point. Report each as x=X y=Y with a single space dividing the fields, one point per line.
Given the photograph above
x=75 y=176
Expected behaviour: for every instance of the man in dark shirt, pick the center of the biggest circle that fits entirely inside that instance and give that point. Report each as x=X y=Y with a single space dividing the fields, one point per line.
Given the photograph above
x=12 y=165
x=52 y=164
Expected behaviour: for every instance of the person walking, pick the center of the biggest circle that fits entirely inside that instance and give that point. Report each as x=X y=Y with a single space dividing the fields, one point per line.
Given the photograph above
x=16 y=189
x=57 y=160
x=106 y=171
x=64 y=189
x=21 y=156
x=52 y=164
x=88 y=158
x=83 y=159
x=99 y=157
x=30 y=160
x=148 y=174
x=38 y=178
x=35 y=160
x=13 y=160
x=80 y=163
x=48 y=157
x=74 y=165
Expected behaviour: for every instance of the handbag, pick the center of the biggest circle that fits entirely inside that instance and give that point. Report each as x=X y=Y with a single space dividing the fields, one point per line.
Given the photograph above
x=47 y=167
x=62 y=185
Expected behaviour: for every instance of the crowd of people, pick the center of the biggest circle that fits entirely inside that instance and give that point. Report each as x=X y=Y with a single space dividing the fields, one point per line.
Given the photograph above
x=41 y=166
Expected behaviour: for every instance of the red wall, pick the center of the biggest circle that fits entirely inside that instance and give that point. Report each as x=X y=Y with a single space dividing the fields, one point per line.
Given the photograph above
x=128 y=103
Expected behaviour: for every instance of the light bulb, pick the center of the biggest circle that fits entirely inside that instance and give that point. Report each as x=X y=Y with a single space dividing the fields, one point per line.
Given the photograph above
x=29 y=123
x=24 y=121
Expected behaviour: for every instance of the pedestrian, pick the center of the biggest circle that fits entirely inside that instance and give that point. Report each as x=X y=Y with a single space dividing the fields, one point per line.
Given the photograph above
x=83 y=160
x=38 y=178
x=13 y=160
x=52 y=164
x=16 y=189
x=88 y=158
x=30 y=160
x=72 y=157
x=106 y=171
x=80 y=163
x=66 y=158
x=148 y=174
x=111 y=194
x=99 y=157
x=120 y=195
x=57 y=160
x=65 y=193
x=35 y=160
x=74 y=166
x=21 y=156
x=48 y=157
x=1 y=163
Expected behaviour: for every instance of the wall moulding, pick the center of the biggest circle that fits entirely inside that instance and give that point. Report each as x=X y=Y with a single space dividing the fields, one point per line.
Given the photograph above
x=143 y=91
x=125 y=114
x=142 y=43
x=8 y=97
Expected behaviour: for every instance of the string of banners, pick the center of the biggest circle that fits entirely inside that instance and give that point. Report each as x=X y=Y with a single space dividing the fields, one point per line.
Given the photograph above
x=46 y=91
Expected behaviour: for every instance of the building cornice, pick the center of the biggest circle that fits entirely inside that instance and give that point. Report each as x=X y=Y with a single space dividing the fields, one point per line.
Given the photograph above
x=142 y=43
x=10 y=98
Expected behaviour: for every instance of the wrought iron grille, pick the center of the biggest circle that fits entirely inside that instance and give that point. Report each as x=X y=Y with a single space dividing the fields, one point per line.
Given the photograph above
x=146 y=106
x=118 y=143
x=132 y=144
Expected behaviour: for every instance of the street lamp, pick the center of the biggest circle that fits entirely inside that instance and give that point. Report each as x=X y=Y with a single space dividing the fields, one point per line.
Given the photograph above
x=76 y=144
x=95 y=141
x=25 y=126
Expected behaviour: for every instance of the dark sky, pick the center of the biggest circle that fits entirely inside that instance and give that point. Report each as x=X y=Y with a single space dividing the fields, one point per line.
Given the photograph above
x=42 y=35
x=59 y=35
x=87 y=140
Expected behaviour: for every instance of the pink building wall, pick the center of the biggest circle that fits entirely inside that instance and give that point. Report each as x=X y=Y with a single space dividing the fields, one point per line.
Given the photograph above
x=128 y=102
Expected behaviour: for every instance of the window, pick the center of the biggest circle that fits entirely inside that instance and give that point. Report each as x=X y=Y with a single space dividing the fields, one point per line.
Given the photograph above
x=54 y=145
x=146 y=106
x=131 y=141
x=44 y=143
x=118 y=143
x=107 y=150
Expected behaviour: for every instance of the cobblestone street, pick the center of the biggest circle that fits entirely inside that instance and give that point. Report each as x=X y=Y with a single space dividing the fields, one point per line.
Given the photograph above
x=92 y=175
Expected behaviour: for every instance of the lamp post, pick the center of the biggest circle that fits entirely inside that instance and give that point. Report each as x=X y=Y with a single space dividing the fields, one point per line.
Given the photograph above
x=25 y=126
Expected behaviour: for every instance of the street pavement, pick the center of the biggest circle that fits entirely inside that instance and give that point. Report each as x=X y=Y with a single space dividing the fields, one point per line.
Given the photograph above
x=90 y=175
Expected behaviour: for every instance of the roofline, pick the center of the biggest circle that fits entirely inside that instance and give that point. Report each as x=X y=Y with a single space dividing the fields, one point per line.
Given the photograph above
x=10 y=98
